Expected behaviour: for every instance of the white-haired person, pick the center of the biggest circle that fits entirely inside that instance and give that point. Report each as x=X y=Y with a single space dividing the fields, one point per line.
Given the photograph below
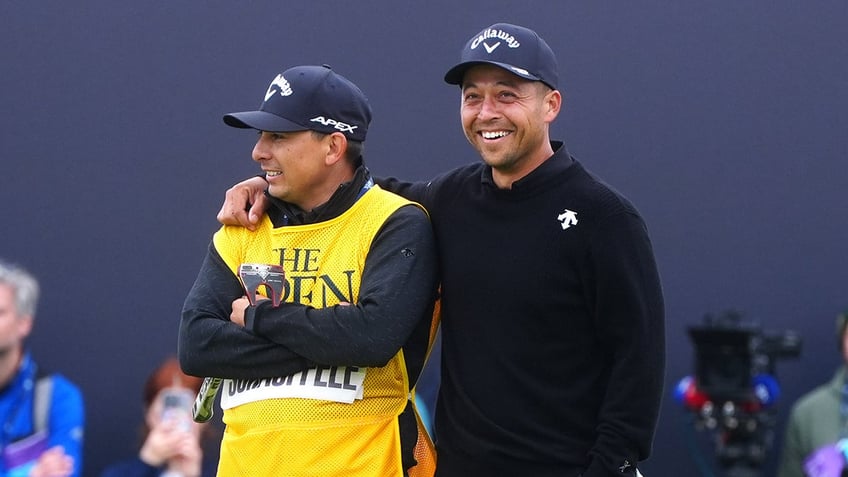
x=42 y=412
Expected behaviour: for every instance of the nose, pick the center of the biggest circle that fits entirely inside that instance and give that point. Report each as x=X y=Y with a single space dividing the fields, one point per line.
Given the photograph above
x=489 y=108
x=260 y=149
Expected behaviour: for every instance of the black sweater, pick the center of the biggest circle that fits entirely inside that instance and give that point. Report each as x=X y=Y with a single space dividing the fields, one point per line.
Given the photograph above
x=552 y=323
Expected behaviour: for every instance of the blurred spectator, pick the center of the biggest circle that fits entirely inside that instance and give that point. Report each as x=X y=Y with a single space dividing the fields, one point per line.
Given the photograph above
x=42 y=413
x=172 y=443
x=816 y=437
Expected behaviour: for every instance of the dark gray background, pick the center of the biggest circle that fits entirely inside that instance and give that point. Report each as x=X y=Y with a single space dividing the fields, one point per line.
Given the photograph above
x=724 y=122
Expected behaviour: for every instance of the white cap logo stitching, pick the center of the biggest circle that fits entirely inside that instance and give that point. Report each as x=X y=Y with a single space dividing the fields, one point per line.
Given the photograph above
x=282 y=85
x=490 y=49
x=343 y=127
x=498 y=34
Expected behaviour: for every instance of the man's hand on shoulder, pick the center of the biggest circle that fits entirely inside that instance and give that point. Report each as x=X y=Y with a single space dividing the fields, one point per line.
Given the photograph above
x=244 y=203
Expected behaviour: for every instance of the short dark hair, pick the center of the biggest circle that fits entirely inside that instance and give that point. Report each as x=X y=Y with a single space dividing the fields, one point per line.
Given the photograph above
x=354 y=148
x=354 y=152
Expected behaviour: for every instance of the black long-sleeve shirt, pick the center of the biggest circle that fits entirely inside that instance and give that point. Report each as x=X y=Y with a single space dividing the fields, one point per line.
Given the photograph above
x=553 y=344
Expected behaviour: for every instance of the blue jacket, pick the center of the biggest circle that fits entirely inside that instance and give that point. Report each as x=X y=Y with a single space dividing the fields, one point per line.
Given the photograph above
x=20 y=442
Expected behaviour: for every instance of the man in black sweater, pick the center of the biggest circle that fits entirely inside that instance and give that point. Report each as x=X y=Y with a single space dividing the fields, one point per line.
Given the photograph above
x=553 y=334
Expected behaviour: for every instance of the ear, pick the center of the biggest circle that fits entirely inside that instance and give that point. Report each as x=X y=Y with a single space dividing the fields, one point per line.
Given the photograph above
x=336 y=148
x=553 y=103
x=24 y=326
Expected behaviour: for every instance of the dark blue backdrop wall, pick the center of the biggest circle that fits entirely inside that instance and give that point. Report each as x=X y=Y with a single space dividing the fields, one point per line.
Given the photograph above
x=725 y=122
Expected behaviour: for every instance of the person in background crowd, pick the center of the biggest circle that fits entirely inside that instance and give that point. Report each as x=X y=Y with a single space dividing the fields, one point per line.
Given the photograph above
x=816 y=439
x=172 y=443
x=552 y=314
x=42 y=413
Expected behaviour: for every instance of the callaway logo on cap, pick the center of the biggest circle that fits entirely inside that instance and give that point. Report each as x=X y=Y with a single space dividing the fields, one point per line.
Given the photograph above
x=309 y=98
x=516 y=49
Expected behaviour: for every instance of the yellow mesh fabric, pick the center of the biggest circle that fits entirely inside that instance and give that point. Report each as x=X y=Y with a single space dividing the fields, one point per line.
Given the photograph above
x=309 y=437
x=354 y=448
x=425 y=453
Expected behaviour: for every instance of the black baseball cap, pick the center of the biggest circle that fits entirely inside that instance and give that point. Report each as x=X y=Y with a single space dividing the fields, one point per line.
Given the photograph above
x=519 y=50
x=314 y=98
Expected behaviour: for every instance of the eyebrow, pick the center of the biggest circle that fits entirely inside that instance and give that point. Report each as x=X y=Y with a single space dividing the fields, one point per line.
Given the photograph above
x=507 y=82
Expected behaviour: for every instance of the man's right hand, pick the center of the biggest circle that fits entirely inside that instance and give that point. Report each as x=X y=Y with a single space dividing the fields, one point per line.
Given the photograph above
x=247 y=193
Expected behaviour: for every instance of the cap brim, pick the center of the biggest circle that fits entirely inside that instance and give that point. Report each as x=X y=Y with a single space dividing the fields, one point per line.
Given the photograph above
x=457 y=73
x=262 y=121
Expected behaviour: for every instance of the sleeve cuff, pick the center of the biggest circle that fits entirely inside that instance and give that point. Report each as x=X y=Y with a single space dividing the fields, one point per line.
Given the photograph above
x=250 y=319
x=251 y=323
x=597 y=469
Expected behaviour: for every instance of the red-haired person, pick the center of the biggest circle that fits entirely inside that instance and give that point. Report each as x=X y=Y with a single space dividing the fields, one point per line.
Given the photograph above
x=172 y=441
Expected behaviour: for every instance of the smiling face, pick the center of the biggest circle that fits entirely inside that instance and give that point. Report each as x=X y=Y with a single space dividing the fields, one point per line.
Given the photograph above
x=506 y=118
x=297 y=166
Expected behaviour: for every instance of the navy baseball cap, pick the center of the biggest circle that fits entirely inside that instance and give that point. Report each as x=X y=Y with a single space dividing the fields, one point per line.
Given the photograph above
x=519 y=50
x=313 y=98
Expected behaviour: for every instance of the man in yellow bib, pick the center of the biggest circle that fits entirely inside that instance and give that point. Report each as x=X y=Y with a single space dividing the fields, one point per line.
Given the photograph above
x=321 y=384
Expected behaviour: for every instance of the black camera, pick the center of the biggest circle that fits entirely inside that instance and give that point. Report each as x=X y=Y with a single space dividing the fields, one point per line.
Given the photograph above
x=735 y=386
x=731 y=354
